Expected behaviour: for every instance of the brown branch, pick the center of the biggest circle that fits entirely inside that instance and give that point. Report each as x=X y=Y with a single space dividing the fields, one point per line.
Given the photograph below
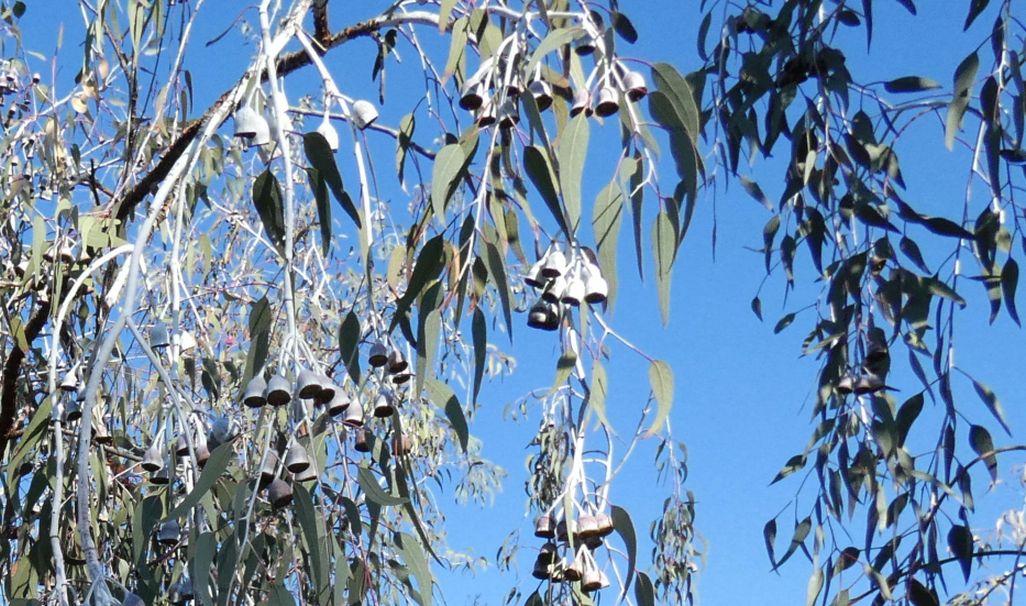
x=287 y=63
x=12 y=368
x=322 y=32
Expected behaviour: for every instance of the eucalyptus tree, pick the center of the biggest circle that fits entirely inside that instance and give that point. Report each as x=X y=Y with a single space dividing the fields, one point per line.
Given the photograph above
x=235 y=365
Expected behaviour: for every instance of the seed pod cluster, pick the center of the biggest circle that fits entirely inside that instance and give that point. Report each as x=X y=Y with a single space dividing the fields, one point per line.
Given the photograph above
x=579 y=538
x=563 y=282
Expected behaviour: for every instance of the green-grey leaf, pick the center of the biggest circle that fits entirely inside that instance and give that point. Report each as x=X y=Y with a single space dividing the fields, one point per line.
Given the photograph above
x=599 y=391
x=573 y=150
x=444 y=397
x=624 y=526
x=216 y=464
x=910 y=84
x=413 y=555
x=445 y=177
x=668 y=80
x=983 y=445
x=990 y=400
x=374 y=492
x=267 y=199
x=660 y=378
x=965 y=75
x=664 y=243
x=479 y=330
x=539 y=170
x=319 y=153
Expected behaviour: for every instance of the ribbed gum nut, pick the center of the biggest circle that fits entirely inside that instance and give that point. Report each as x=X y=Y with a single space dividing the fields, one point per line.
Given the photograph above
x=868 y=383
x=329 y=133
x=555 y=263
x=378 y=356
x=278 y=391
x=540 y=570
x=169 y=532
x=635 y=85
x=268 y=468
x=604 y=524
x=538 y=316
x=326 y=390
x=296 y=459
x=260 y=129
x=101 y=435
x=253 y=397
x=587 y=527
x=544 y=528
x=339 y=402
x=364 y=113
x=247 y=122
x=401 y=378
x=846 y=385
x=582 y=103
x=574 y=292
x=361 y=443
x=159 y=338
x=508 y=115
x=383 y=405
x=591 y=580
x=396 y=362
x=308 y=384
x=279 y=493
x=153 y=459
x=471 y=97
x=202 y=454
x=354 y=414
x=534 y=276
x=542 y=93
x=607 y=104
x=554 y=293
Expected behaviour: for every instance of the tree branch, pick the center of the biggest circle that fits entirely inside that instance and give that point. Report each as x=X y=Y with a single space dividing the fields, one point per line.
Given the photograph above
x=12 y=368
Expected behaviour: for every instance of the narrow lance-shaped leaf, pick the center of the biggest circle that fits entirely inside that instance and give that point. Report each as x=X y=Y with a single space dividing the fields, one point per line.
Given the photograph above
x=965 y=74
x=624 y=526
x=664 y=243
x=960 y=541
x=983 y=445
x=267 y=199
x=538 y=168
x=1009 y=284
x=660 y=378
x=990 y=400
x=444 y=397
x=373 y=490
x=445 y=177
x=216 y=464
x=573 y=151
x=479 y=329
x=910 y=84
x=319 y=153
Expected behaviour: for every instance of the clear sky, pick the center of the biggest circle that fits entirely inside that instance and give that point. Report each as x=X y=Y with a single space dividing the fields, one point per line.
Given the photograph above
x=743 y=394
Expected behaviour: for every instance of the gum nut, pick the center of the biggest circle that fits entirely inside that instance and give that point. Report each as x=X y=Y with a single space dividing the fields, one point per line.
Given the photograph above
x=158 y=336
x=508 y=115
x=378 y=356
x=486 y=115
x=555 y=263
x=308 y=384
x=582 y=103
x=268 y=468
x=396 y=362
x=383 y=406
x=361 y=443
x=329 y=133
x=536 y=318
x=296 y=459
x=574 y=292
x=846 y=385
x=542 y=93
x=364 y=113
x=635 y=85
x=162 y=476
x=339 y=403
x=354 y=414
x=153 y=459
x=326 y=391
x=607 y=104
x=277 y=392
x=253 y=397
x=534 y=276
x=247 y=122
x=554 y=293
x=307 y=475
x=596 y=288
x=471 y=96
x=279 y=493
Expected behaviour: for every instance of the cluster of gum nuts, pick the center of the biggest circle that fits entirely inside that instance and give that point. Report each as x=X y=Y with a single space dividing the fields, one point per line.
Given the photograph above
x=587 y=533
x=563 y=281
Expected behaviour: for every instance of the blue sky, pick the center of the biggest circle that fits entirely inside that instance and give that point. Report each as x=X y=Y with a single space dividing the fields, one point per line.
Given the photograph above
x=743 y=393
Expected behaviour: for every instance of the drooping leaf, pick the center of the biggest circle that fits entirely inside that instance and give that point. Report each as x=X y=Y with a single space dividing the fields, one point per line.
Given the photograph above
x=975 y=8
x=960 y=542
x=910 y=84
x=320 y=191
x=598 y=392
x=319 y=153
x=267 y=199
x=624 y=526
x=644 y=592
x=445 y=398
x=497 y=273
x=371 y=488
x=965 y=75
x=990 y=400
x=783 y=323
x=445 y=177
x=259 y=335
x=624 y=28
x=801 y=531
x=349 y=342
x=539 y=170
x=413 y=556
x=1009 y=284
x=769 y=537
x=983 y=445
x=573 y=151
x=479 y=330
x=814 y=587
x=669 y=81
x=919 y=595
x=664 y=244
x=660 y=379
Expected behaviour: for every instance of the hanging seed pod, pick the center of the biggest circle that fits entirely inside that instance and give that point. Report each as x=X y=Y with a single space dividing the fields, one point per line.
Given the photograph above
x=70 y=382
x=596 y=288
x=396 y=362
x=378 y=356
x=584 y=46
x=538 y=315
x=603 y=524
x=399 y=379
x=72 y=411
x=587 y=527
x=162 y=476
x=544 y=528
x=574 y=292
x=250 y=126
x=846 y=385
x=354 y=414
x=202 y=453
x=308 y=384
x=181 y=446
x=339 y=403
x=472 y=96
x=547 y=553
x=401 y=446
x=554 y=293
x=540 y=570
x=634 y=84
x=593 y=579
x=222 y=431
x=296 y=459
x=159 y=338
x=307 y=475
x=326 y=392
x=573 y=572
x=277 y=392
x=329 y=133
x=101 y=435
x=878 y=357
x=508 y=115
x=582 y=103
x=169 y=533
x=486 y=115
x=384 y=404
x=607 y=103
x=561 y=532
x=364 y=113
x=268 y=468
x=555 y=263
x=542 y=93
x=279 y=493
x=253 y=397
x=153 y=459
x=362 y=444
x=868 y=383
x=534 y=277
x=182 y=592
